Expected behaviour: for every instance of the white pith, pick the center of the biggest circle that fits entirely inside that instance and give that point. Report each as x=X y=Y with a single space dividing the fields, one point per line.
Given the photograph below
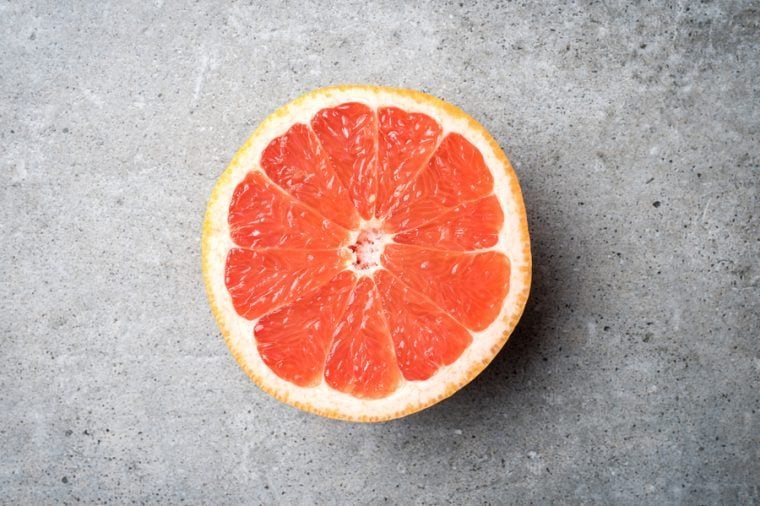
x=367 y=245
x=323 y=398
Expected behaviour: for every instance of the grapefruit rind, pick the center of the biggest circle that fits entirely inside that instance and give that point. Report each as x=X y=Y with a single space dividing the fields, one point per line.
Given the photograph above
x=411 y=396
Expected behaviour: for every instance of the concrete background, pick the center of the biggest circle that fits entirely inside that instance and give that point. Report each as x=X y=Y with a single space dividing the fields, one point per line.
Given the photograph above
x=633 y=377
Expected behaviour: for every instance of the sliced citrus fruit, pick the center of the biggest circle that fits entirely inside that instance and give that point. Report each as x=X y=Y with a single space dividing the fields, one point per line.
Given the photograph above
x=366 y=253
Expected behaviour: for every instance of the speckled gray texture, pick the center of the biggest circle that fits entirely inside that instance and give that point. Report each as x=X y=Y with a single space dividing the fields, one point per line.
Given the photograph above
x=633 y=377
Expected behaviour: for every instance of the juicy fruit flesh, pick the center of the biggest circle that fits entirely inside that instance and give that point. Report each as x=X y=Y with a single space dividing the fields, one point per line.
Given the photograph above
x=362 y=250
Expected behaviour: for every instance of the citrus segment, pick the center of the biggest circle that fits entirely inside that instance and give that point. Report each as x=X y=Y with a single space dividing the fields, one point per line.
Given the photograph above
x=472 y=225
x=456 y=173
x=293 y=340
x=468 y=286
x=361 y=361
x=297 y=162
x=259 y=281
x=424 y=337
x=261 y=215
x=348 y=133
x=405 y=143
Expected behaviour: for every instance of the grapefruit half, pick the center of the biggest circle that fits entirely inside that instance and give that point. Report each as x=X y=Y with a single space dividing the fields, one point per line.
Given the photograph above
x=366 y=253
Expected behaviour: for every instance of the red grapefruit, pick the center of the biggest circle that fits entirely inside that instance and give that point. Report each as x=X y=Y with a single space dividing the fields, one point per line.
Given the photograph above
x=366 y=253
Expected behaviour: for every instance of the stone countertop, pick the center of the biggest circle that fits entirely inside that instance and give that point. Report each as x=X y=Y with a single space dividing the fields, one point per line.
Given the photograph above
x=632 y=378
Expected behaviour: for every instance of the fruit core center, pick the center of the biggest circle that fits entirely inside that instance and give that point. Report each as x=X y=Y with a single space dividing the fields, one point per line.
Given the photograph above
x=367 y=249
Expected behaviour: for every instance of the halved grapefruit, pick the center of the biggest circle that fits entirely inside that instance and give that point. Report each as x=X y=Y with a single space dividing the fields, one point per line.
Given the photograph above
x=366 y=253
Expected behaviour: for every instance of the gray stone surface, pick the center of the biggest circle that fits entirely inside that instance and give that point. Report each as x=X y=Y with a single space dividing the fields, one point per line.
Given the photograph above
x=633 y=377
